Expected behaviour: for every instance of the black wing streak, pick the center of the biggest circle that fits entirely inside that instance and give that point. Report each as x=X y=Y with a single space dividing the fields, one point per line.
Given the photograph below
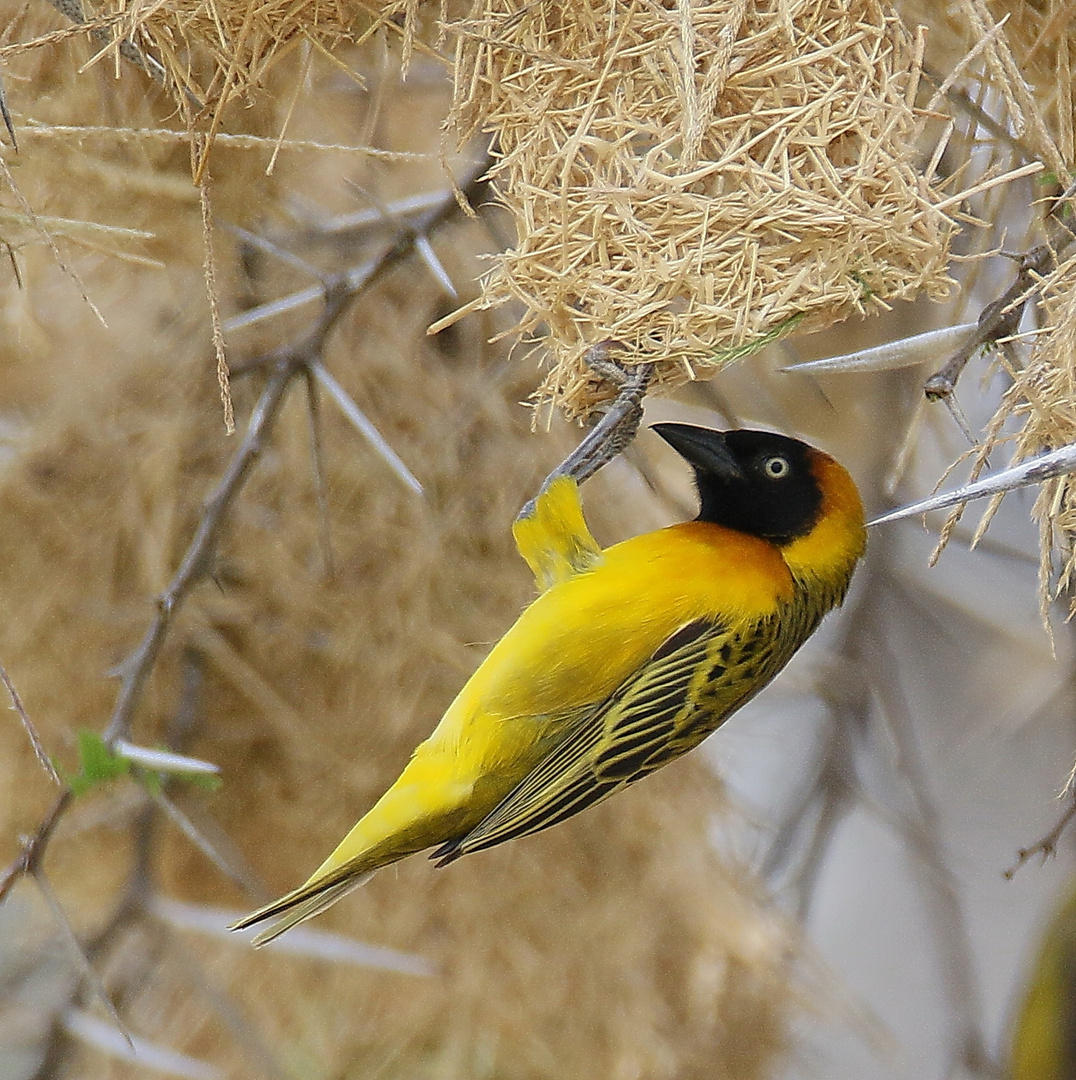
x=639 y=741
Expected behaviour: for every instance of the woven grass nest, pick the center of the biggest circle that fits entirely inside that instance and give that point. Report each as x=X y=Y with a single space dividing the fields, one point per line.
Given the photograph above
x=692 y=181
x=689 y=181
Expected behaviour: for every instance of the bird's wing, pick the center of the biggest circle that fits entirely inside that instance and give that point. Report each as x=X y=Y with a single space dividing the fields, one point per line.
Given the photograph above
x=552 y=535
x=649 y=720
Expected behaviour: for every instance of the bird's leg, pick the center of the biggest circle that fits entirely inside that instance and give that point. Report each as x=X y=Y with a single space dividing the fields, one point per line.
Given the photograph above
x=615 y=430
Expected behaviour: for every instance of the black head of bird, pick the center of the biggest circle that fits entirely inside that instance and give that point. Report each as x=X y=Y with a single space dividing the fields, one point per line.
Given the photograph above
x=755 y=482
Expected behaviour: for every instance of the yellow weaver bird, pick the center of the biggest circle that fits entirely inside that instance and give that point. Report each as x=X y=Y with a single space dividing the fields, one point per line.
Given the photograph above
x=628 y=658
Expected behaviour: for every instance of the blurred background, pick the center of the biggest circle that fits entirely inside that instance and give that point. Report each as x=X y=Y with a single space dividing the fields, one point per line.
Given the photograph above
x=819 y=892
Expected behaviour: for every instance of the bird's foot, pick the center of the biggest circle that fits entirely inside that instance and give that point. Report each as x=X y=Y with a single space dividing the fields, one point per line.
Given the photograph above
x=616 y=429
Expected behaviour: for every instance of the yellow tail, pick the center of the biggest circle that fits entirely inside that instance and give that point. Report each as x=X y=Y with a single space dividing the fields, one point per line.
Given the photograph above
x=304 y=903
x=420 y=810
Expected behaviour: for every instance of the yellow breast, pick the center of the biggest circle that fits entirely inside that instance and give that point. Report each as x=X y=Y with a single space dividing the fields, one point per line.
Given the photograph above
x=578 y=641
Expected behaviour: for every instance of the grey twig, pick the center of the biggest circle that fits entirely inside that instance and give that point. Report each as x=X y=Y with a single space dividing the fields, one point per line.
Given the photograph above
x=999 y=319
x=1047 y=846
x=313 y=412
x=8 y=123
x=132 y=904
x=137 y=667
x=33 y=848
x=997 y=130
x=72 y=9
x=43 y=758
x=78 y=954
x=201 y=842
x=270 y=247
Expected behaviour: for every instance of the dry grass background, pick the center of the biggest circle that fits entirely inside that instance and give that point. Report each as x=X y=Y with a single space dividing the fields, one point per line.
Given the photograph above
x=619 y=945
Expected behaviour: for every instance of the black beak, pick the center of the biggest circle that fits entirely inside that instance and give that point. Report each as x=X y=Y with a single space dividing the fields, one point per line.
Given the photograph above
x=702 y=447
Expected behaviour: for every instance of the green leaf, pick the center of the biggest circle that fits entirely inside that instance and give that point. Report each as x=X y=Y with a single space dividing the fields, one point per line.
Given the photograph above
x=97 y=764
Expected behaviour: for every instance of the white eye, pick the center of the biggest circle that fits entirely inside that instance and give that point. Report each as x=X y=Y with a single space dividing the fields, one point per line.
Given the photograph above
x=776 y=467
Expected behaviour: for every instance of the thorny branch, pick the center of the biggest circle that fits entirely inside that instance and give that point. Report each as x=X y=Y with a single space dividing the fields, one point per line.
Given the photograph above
x=285 y=363
x=1001 y=317
x=33 y=847
x=1047 y=846
x=72 y=10
x=300 y=358
x=132 y=907
x=5 y=114
x=35 y=740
